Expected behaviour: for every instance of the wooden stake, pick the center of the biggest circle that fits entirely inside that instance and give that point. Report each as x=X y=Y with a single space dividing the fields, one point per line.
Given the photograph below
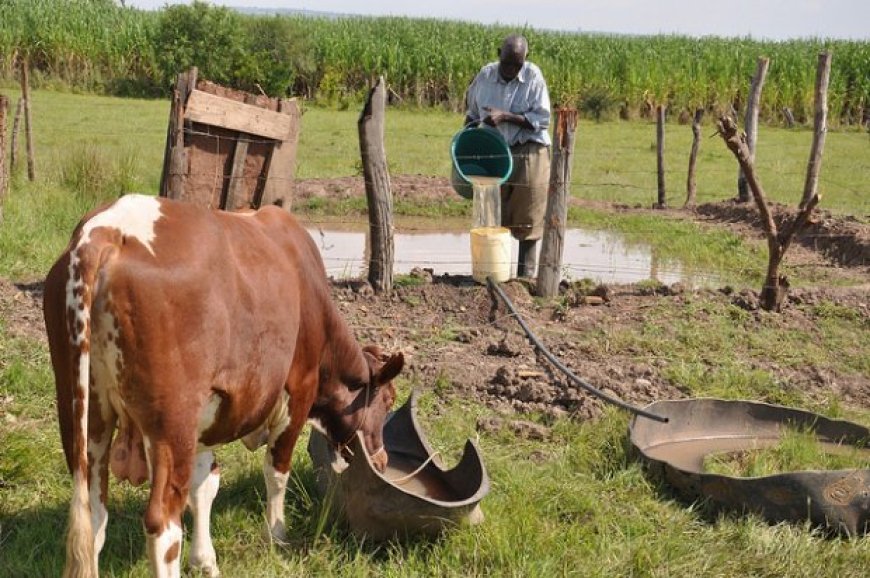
x=4 y=174
x=28 y=125
x=820 y=127
x=660 y=156
x=175 y=156
x=691 y=185
x=16 y=127
x=750 y=122
x=377 y=183
x=556 y=217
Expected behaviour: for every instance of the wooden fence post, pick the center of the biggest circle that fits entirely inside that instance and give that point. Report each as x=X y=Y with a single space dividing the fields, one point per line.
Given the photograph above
x=820 y=128
x=16 y=128
x=750 y=123
x=4 y=173
x=377 y=182
x=660 y=156
x=556 y=217
x=175 y=155
x=691 y=185
x=28 y=125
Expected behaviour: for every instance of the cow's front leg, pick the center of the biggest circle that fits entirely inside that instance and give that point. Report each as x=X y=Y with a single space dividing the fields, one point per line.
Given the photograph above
x=276 y=485
x=276 y=468
x=203 y=489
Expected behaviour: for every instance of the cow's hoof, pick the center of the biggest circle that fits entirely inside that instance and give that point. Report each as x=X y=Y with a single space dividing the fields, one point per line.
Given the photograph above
x=205 y=567
x=277 y=534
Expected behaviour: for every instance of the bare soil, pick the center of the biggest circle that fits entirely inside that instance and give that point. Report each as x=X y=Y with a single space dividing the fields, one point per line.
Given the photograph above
x=460 y=341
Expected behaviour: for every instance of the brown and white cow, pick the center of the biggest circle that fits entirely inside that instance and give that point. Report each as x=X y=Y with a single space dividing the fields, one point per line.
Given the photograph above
x=184 y=329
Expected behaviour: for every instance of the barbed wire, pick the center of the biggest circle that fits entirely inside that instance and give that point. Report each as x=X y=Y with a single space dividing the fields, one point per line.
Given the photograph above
x=676 y=194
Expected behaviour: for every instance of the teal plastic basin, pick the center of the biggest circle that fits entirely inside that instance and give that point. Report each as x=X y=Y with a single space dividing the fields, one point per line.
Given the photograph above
x=479 y=151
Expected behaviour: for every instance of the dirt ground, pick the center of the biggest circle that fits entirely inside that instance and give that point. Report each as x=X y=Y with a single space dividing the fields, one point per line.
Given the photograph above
x=456 y=340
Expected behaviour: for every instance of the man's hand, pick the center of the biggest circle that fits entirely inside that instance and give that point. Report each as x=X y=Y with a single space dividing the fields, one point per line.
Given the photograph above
x=496 y=116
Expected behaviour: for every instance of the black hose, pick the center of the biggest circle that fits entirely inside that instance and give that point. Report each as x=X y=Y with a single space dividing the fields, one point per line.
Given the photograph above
x=552 y=358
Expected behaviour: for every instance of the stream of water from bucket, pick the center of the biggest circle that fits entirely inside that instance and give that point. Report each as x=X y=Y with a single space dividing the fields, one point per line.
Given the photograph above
x=490 y=242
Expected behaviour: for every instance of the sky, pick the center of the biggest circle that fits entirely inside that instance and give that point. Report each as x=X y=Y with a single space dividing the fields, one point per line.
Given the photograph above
x=760 y=19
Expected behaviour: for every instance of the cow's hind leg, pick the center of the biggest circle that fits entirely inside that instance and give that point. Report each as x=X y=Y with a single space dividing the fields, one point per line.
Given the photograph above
x=203 y=489
x=98 y=473
x=170 y=482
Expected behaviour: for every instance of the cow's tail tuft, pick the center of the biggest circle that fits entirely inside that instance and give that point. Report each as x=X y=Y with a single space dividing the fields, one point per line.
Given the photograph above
x=80 y=549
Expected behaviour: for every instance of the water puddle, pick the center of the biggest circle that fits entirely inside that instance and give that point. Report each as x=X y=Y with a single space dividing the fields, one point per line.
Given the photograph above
x=597 y=255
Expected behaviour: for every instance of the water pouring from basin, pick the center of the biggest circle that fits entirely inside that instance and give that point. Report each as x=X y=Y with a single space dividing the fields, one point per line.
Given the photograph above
x=490 y=242
x=482 y=161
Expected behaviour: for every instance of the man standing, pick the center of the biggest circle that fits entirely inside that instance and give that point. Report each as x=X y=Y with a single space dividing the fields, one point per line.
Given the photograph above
x=511 y=95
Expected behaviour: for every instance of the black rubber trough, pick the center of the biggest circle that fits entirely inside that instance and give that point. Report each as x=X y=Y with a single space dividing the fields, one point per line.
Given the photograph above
x=414 y=496
x=835 y=499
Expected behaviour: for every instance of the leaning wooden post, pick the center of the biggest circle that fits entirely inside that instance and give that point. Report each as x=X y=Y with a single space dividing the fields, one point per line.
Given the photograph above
x=775 y=285
x=660 y=156
x=556 y=217
x=820 y=127
x=28 y=125
x=750 y=123
x=377 y=182
x=4 y=174
x=691 y=185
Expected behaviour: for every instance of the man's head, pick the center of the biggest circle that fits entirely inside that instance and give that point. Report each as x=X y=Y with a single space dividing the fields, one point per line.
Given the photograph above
x=512 y=56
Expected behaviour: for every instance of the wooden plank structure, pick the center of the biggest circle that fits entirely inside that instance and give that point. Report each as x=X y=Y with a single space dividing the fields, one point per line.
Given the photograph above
x=229 y=149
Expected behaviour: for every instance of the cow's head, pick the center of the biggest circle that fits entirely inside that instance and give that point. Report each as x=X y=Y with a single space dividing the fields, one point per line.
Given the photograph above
x=373 y=395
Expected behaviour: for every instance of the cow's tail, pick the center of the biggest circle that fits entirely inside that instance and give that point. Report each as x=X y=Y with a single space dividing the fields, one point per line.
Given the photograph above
x=77 y=295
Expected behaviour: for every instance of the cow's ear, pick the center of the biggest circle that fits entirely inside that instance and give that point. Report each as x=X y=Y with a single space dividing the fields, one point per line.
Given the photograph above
x=391 y=369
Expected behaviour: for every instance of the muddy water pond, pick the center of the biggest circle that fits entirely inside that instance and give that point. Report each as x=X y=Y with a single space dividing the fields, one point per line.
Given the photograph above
x=599 y=255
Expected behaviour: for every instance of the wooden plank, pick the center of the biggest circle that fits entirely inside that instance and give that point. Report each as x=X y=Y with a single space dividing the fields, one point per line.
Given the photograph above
x=281 y=166
x=213 y=110
x=234 y=198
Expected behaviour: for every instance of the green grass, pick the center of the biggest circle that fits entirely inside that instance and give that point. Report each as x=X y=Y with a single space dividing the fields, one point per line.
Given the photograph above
x=796 y=450
x=574 y=505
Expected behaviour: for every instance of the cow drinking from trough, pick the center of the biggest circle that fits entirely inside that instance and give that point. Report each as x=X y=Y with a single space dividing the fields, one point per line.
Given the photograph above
x=184 y=329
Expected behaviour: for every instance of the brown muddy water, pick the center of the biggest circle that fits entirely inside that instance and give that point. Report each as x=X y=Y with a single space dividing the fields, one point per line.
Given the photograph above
x=599 y=255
